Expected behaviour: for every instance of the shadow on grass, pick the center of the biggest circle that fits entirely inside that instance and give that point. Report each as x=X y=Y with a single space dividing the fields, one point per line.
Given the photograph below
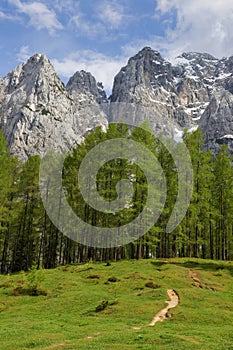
x=211 y=266
x=158 y=263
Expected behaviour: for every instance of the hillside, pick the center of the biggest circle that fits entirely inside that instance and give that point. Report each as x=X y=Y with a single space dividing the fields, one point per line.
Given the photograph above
x=66 y=318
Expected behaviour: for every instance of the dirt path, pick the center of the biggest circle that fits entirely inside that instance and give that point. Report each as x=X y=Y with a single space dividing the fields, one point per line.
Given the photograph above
x=162 y=314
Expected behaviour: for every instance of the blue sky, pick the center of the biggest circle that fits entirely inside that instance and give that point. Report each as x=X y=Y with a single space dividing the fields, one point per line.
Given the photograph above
x=100 y=35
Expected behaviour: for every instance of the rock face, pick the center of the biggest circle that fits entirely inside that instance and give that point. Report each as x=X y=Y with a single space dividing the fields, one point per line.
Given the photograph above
x=83 y=82
x=37 y=112
x=195 y=89
x=175 y=92
x=217 y=121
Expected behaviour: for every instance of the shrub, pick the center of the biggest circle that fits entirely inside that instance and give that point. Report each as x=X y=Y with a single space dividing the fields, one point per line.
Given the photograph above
x=30 y=284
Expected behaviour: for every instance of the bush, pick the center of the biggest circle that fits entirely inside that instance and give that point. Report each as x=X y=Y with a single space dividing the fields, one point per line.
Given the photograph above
x=34 y=279
x=30 y=284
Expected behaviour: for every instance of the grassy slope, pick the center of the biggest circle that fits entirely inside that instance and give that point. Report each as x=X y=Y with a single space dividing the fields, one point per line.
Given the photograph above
x=66 y=317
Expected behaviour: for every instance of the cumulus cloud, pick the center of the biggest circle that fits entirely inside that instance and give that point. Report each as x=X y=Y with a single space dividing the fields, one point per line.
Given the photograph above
x=41 y=17
x=201 y=25
x=103 y=67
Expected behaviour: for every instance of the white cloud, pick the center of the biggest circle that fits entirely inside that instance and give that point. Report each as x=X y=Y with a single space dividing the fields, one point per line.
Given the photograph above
x=104 y=68
x=111 y=13
x=105 y=18
x=201 y=25
x=89 y=29
x=41 y=17
x=65 y=6
x=23 y=54
x=7 y=16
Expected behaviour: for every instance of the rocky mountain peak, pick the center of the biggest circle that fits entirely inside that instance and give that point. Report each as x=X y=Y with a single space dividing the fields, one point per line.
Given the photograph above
x=36 y=66
x=182 y=91
x=173 y=90
x=147 y=68
x=196 y=89
x=197 y=56
x=146 y=53
x=84 y=82
x=37 y=112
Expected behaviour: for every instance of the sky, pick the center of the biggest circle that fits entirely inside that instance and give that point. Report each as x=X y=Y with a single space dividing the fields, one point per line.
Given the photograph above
x=99 y=36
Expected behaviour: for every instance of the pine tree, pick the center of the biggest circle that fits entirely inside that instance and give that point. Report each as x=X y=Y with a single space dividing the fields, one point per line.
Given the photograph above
x=223 y=203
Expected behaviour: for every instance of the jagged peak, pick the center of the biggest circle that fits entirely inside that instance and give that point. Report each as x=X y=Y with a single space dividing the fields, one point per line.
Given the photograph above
x=38 y=57
x=38 y=60
x=81 y=73
x=148 y=55
x=83 y=82
x=35 y=61
x=38 y=65
x=193 y=55
x=150 y=50
x=145 y=52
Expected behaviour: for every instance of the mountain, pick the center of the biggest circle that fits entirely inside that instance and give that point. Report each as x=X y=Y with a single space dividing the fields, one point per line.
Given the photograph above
x=217 y=121
x=193 y=90
x=83 y=82
x=37 y=111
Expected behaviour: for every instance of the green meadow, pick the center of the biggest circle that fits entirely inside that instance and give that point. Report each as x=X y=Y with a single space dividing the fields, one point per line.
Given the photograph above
x=109 y=306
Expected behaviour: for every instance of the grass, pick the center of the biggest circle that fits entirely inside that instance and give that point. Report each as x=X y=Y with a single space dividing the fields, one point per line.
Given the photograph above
x=67 y=319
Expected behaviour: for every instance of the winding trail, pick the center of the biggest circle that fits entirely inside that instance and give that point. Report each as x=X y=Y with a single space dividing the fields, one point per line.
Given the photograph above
x=162 y=314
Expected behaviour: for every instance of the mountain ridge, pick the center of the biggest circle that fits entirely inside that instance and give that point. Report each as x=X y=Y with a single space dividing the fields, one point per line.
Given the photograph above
x=38 y=111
